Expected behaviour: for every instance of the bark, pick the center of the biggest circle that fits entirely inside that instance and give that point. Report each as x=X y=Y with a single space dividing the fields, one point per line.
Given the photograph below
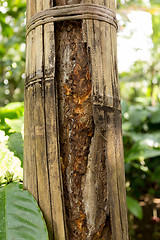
x=73 y=156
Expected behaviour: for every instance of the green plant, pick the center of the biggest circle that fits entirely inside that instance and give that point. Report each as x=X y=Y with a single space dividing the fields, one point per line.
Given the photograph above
x=140 y=107
x=11 y=139
x=20 y=216
x=12 y=50
x=134 y=207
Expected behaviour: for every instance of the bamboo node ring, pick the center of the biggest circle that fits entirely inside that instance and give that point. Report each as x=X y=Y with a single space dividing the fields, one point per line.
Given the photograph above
x=72 y=12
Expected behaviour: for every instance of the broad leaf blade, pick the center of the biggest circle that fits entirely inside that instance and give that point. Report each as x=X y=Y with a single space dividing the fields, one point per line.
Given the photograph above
x=134 y=207
x=2 y=215
x=155 y=118
x=15 y=124
x=20 y=216
x=12 y=110
x=15 y=144
x=140 y=150
x=155 y=177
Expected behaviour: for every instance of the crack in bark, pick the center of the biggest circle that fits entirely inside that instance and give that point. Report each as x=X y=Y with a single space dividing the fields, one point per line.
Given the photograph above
x=82 y=125
x=76 y=124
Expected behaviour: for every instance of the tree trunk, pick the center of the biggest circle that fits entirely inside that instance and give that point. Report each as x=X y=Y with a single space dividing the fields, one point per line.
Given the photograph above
x=73 y=154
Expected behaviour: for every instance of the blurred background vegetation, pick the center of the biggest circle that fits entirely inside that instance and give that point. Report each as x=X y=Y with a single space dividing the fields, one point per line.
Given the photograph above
x=140 y=93
x=12 y=50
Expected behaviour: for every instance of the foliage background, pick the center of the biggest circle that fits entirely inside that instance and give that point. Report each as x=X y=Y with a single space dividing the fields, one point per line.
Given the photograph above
x=140 y=92
x=12 y=50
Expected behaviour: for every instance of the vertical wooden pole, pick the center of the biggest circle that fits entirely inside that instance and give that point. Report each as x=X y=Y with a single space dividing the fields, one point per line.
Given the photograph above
x=73 y=155
x=42 y=173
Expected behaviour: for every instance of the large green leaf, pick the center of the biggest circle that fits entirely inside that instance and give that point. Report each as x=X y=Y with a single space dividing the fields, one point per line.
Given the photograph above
x=141 y=151
x=155 y=118
x=148 y=139
x=156 y=175
x=15 y=124
x=15 y=144
x=134 y=207
x=12 y=110
x=145 y=146
x=20 y=216
x=137 y=115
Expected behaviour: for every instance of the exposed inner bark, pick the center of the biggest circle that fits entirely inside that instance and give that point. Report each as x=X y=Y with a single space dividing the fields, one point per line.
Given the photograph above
x=85 y=197
x=75 y=116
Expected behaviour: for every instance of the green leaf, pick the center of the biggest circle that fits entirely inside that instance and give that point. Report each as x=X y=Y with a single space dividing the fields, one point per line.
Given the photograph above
x=141 y=151
x=127 y=126
x=12 y=110
x=20 y=216
x=145 y=146
x=137 y=115
x=155 y=118
x=124 y=106
x=14 y=106
x=15 y=124
x=148 y=139
x=156 y=175
x=134 y=207
x=15 y=144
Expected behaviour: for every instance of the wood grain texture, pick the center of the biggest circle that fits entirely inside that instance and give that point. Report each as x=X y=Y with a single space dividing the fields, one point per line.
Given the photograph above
x=52 y=134
x=73 y=154
x=101 y=40
x=75 y=117
x=42 y=173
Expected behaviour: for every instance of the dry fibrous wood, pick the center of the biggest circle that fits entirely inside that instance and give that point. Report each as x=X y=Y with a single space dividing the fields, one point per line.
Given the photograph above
x=73 y=155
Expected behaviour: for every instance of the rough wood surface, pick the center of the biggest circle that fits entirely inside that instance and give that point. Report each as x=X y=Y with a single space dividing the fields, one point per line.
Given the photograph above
x=73 y=154
x=42 y=173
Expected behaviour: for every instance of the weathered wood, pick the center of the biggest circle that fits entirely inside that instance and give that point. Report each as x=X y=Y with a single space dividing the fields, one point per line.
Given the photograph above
x=49 y=51
x=75 y=117
x=42 y=174
x=106 y=105
x=39 y=5
x=55 y=178
x=52 y=134
x=73 y=155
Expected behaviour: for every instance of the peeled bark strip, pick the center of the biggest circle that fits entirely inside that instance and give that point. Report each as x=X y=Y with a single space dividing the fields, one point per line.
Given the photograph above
x=73 y=155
